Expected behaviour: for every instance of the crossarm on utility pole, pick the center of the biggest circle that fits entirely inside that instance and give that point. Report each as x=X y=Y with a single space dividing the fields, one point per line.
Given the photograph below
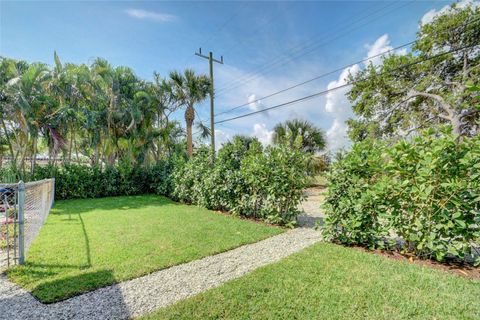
x=211 y=60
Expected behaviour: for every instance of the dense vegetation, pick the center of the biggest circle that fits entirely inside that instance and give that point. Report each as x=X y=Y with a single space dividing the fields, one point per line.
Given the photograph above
x=246 y=179
x=425 y=191
x=399 y=187
x=96 y=114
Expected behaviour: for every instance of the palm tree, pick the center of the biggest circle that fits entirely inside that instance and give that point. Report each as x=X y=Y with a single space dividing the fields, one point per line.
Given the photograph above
x=301 y=134
x=190 y=89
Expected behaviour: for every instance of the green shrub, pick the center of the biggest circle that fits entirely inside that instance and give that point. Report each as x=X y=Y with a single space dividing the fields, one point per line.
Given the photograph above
x=275 y=181
x=425 y=191
x=245 y=180
x=83 y=181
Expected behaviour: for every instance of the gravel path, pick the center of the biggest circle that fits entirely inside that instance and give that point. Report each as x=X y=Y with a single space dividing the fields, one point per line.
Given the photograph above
x=143 y=295
x=312 y=213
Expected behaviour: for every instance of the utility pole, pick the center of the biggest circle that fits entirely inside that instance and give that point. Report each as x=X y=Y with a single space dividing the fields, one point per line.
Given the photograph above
x=211 y=60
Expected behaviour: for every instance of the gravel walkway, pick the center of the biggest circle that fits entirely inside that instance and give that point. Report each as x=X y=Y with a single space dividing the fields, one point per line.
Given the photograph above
x=143 y=295
x=312 y=213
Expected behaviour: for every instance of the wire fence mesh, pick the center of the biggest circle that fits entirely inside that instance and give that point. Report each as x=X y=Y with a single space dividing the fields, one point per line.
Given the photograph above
x=8 y=225
x=23 y=211
x=39 y=196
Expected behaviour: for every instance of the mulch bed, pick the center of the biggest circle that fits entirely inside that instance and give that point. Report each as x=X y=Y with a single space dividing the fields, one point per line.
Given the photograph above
x=461 y=269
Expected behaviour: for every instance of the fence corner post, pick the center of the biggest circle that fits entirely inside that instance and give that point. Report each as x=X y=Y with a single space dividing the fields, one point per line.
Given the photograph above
x=21 y=223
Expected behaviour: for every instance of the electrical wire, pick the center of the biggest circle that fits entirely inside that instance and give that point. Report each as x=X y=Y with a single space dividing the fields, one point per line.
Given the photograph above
x=331 y=72
x=302 y=52
x=339 y=87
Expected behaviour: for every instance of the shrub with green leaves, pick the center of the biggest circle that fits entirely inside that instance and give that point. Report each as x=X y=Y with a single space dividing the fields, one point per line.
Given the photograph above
x=424 y=192
x=245 y=180
x=84 y=181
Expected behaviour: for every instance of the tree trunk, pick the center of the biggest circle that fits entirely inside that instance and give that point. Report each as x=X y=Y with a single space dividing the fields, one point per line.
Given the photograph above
x=34 y=156
x=189 y=117
x=70 y=147
x=10 y=147
x=456 y=124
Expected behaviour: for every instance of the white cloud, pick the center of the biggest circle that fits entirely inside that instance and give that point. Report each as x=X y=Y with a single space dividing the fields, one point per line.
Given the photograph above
x=221 y=137
x=328 y=112
x=381 y=45
x=264 y=135
x=337 y=102
x=430 y=15
x=337 y=135
x=253 y=104
x=150 y=15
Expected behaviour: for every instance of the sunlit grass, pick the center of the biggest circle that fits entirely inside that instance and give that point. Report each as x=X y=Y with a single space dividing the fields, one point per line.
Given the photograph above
x=91 y=243
x=327 y=281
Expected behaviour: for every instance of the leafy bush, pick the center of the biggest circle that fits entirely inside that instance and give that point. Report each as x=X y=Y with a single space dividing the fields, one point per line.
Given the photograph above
x=425 y=191
x=83 y=181
x=245 y=180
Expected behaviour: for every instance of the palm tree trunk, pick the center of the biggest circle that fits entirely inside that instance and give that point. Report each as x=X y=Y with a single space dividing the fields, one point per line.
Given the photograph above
x=189 y=140
x=70 y=147
x=189 y=117
x=7 y=136
x=34 y=156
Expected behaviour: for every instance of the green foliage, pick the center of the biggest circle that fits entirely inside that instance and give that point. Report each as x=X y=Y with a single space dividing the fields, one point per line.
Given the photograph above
x=426 y=191
x=246 y=180
x=300 y=134
x=82 y=181
x=424 y=88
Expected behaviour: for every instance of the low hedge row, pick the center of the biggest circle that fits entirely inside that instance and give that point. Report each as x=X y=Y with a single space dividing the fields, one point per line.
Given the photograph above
x=82 y=181
x=424 y=193
x=246 y=179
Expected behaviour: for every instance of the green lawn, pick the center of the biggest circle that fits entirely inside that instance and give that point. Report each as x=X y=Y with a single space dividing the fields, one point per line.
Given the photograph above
x=87 y=244
x=327 y=281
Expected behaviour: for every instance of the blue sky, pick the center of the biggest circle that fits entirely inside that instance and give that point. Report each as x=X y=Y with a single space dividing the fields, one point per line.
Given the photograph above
x=267 y=46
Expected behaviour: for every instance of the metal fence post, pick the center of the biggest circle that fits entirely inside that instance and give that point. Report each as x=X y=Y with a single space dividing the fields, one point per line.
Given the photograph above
x=53 y=192
x=21 y=223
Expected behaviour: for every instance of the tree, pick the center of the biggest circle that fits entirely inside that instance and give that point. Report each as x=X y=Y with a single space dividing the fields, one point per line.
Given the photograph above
x=426 y=87
x=300 y=133
x=190 y=89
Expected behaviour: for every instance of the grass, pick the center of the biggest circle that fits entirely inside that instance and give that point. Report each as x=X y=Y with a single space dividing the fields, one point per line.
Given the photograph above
x=3 y=235
x=87 y=244
x=327 y=281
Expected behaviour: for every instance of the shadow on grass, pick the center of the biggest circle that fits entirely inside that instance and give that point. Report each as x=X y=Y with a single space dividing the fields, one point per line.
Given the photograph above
x=39 y=271
x=69 y=286
x=109 y=305
x=76 y=206
x=87 y=242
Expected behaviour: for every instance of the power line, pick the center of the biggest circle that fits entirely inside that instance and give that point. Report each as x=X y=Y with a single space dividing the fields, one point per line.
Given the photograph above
x=312 y=47
x=294 y=50
x=315 y=78
x=332 y=72
x=339 y=87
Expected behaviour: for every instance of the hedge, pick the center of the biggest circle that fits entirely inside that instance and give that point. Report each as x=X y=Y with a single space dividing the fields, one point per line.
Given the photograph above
x=246 y=179
x=421 y=194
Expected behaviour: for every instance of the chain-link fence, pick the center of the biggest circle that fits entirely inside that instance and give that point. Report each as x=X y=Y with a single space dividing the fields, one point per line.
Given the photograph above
x=24 y=207
x=8 y=225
